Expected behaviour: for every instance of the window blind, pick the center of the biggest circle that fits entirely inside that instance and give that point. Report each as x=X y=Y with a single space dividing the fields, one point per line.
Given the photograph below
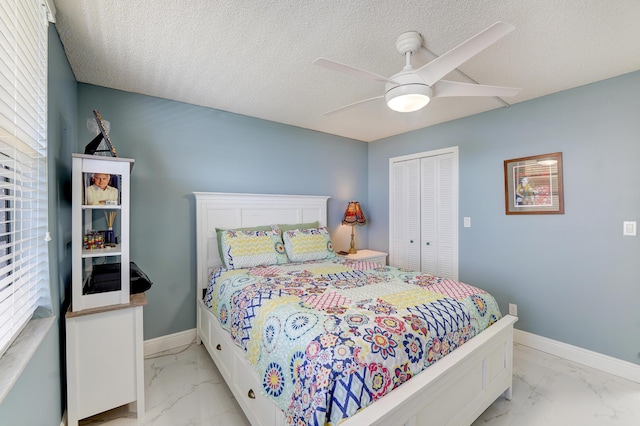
x=24 y=269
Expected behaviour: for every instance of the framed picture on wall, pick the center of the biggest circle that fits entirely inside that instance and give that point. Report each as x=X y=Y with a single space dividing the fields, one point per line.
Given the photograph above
x=533 y=185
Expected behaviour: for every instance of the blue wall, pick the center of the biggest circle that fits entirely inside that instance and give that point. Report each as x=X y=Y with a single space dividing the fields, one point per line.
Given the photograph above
x=575 y=278
x=181 y=148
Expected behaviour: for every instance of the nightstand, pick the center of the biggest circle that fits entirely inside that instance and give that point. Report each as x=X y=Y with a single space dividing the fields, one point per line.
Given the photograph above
x=369 y=255
x=105 y=360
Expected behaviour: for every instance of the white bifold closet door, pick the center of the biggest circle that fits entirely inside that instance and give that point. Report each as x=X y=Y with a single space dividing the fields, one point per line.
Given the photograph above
x=424 y=212
x=405 y=215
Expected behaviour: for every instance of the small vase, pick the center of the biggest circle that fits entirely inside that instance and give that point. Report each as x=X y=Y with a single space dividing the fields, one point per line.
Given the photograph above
x=109 y=238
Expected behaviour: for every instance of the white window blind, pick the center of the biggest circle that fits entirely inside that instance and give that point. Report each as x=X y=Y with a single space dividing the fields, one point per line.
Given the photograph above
x=24 y=269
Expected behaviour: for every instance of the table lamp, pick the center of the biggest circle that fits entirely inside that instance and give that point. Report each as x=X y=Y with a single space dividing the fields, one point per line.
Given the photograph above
x=353 y=216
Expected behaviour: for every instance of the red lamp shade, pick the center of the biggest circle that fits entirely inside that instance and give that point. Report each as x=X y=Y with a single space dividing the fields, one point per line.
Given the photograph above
x=353 y=215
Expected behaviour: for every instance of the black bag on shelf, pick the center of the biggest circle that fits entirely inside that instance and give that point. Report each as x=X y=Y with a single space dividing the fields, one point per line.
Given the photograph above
x=139 y=280
x=106 y=277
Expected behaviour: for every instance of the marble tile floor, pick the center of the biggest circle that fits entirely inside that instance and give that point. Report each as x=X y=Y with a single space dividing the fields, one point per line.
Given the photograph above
x=183 y=387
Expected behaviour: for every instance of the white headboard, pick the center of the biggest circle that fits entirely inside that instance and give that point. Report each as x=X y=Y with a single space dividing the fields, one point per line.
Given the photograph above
x=228 y=210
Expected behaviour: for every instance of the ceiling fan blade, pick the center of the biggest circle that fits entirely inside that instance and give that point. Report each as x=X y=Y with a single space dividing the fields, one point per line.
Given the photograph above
x=348 y=69
x=445 y=88
x=444 y=64
x=342 y=108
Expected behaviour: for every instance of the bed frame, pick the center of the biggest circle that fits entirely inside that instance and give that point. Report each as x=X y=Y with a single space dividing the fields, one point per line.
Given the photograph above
x=455 y=390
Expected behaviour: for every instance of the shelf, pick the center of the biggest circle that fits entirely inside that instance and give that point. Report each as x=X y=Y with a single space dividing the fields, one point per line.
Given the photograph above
x=109 y=251
x=101 y=207
x=100 y=158
x=138 y=299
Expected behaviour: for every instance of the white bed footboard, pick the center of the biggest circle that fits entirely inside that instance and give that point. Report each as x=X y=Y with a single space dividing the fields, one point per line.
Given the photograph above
x=455 y=390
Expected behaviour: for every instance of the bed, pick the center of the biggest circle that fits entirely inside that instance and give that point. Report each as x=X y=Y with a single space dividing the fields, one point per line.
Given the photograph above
x=384 y=383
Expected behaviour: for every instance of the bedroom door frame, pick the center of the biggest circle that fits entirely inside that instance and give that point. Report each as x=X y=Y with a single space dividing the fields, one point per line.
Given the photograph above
x=453 y=151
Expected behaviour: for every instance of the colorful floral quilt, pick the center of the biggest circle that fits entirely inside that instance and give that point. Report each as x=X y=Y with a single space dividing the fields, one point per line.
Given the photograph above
x=330 y=337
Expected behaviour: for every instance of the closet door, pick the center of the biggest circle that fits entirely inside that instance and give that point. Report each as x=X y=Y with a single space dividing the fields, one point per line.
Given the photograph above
x=405 y=214
x=438 y=199
x=423 y=212
x=429 y=215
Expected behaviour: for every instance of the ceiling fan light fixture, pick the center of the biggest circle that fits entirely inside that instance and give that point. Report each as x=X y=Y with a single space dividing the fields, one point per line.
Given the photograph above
x=408 y=97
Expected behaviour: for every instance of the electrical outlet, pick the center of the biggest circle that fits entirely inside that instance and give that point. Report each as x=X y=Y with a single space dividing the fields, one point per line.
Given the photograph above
x=513 y=309
x=629 y=228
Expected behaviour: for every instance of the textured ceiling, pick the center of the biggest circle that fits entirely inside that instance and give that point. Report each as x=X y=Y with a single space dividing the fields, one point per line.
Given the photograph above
x=255 y=57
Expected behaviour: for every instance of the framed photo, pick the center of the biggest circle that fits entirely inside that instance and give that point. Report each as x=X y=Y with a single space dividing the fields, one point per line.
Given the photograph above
x=533 y=185
x=101 y=189
x=94 y=147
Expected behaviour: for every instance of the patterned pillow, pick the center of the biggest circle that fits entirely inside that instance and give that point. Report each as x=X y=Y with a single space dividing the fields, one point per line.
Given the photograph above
x=308 y=244
x=246 y=249
x=219 y=232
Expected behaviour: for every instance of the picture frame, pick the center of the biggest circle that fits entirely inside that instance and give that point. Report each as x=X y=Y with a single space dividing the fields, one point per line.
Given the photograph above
x=93 y=147
x=533 y=185
x=104 y=197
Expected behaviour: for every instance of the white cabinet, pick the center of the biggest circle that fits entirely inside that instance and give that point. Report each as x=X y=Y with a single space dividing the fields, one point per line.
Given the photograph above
x=104 y=330
x=369 y=256
x=105 y=363
x=423 y=212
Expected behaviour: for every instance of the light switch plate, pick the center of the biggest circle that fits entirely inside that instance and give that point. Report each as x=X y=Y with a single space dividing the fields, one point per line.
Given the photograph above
x=467 y=222
x=629 y=228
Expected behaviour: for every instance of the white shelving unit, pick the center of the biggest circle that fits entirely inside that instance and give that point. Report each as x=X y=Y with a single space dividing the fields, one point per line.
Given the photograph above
x=104 y=329
x=86 y=218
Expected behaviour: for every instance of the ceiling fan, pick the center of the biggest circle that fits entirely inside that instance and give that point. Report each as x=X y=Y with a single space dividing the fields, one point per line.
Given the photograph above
x=412 y=89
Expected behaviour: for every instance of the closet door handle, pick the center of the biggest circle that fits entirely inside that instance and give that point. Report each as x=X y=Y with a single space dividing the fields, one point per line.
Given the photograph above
x=411 y=241
x=251 y=394
x=219 y=347
x=427 y=243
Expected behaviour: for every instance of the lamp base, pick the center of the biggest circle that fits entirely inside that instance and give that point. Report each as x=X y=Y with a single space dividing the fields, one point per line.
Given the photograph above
x=352 y=248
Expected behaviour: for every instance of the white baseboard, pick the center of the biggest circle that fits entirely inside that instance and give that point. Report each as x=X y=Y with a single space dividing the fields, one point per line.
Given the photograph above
x=615 y=366
x=168 y=342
